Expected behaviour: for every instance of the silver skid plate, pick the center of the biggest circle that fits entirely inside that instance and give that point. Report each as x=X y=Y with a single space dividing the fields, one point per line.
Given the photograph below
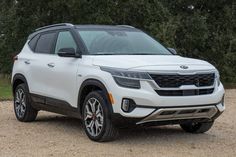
x=181 y=113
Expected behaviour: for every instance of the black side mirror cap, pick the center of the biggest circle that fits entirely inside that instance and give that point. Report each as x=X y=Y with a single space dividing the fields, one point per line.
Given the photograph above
x=172 y=50
x=68 y=52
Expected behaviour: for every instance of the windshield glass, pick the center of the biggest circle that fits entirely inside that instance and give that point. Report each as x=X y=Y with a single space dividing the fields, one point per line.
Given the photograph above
x=121 y=42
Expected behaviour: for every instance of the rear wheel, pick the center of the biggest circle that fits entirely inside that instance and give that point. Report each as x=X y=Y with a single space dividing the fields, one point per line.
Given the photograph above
x=23 y=110
x=96 y=118
x=195 y=127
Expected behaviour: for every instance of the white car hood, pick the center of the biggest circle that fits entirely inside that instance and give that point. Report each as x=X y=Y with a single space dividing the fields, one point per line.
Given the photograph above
x=150 y=62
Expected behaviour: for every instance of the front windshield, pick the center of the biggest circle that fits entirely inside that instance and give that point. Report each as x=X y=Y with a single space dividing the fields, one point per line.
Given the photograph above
x=121 y=42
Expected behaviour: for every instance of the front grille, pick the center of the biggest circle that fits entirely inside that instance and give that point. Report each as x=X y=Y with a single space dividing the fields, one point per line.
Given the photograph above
x=176 y=80
x=185 y=92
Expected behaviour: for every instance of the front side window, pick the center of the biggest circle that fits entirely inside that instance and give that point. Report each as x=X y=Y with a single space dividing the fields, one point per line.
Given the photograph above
x=121 y=42
x=65 y=40
x=45 y=43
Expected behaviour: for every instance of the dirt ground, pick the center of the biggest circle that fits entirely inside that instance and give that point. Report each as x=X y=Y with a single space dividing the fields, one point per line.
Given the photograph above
x=59 y=136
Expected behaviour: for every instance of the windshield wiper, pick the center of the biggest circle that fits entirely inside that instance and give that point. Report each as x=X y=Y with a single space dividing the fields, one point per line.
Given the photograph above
x=142 y=54
x=102 y=54
x=115 y=53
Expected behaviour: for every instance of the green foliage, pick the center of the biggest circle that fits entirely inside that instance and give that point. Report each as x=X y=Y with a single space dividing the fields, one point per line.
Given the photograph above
x=5 y=89
x=200 y=29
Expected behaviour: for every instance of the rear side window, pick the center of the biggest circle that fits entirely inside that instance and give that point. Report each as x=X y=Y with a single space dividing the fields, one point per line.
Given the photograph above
x=33 y=42
x=45 y=43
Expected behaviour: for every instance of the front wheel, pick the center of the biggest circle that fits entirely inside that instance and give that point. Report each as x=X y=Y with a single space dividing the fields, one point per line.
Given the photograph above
x=195 y=127
x=96 y=118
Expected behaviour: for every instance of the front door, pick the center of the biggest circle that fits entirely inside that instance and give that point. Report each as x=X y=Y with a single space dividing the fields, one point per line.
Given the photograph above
x=63 y=70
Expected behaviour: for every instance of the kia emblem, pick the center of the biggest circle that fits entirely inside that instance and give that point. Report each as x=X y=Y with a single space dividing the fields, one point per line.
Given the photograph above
x=184 y=67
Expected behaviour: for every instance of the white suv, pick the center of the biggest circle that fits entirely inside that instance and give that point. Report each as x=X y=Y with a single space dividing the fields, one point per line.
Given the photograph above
x=111 y=77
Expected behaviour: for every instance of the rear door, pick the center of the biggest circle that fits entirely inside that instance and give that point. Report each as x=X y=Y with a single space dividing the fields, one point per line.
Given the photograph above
x=40 y=68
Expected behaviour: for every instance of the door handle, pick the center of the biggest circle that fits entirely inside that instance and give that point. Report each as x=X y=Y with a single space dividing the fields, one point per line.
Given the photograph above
x=51 y=65
x=27 y=62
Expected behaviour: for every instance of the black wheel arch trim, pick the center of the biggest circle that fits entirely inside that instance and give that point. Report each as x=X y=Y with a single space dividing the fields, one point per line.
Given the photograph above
x=21 y=77
x=97 y=83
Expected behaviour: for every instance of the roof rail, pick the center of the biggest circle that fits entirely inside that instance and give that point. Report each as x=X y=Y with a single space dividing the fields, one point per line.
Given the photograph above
x=128 y=26
x=54 y=25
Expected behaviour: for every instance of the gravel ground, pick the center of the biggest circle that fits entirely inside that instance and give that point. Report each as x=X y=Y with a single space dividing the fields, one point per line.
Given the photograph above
x=56 y=135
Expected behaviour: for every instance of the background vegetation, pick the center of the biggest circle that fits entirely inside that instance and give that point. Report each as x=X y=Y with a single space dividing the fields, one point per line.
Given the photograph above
x=204 y=29
x=5 y=89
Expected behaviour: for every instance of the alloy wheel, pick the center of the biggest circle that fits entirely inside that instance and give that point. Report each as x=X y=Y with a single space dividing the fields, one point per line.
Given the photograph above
x=20 y=103
x=93 y=117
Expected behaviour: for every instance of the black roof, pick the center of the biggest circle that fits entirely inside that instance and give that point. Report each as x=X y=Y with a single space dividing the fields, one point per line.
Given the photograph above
x=87 y=27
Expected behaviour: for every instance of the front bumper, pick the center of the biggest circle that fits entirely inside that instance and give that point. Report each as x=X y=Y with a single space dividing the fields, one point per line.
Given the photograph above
x=147 y=100
x=149 y=104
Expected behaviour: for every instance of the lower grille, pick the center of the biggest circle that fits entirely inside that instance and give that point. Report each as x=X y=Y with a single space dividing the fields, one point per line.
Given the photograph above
x=185 y=92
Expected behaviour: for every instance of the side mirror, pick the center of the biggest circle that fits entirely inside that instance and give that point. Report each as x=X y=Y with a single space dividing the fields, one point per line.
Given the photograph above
x=172 y=50
x=68 y=52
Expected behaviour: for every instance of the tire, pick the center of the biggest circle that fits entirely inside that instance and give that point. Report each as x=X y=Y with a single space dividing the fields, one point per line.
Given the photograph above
x=96 y=118
x=197 y=127
x=24 y=112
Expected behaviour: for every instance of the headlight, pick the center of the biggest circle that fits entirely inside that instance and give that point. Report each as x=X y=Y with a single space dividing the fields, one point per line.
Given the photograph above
x=126 y=78
x=217 y=76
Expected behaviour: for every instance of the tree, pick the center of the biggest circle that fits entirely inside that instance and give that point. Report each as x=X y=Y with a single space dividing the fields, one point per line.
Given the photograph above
x=200 y=29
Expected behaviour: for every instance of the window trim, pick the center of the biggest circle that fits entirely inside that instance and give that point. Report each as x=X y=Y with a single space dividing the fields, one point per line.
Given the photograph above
x=79 y=42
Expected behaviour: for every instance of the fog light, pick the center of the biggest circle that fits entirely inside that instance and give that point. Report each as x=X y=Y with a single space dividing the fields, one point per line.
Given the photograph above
x=128 y=105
